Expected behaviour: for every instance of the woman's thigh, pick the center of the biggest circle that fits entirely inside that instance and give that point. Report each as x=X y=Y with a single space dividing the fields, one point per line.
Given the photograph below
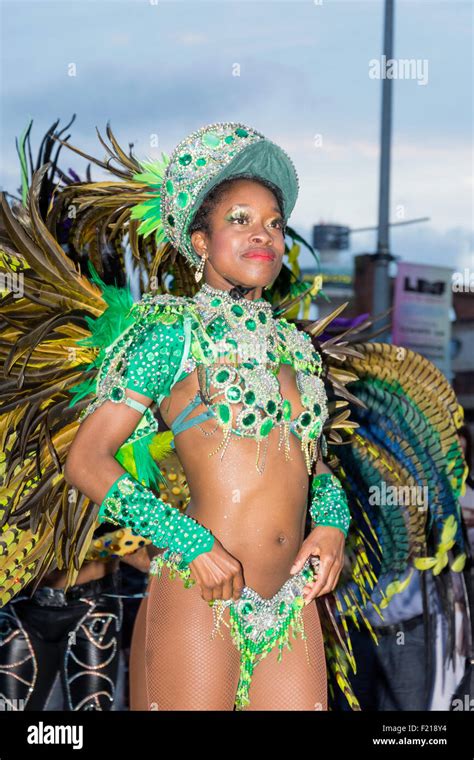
x=187 y=668
x=299 y=680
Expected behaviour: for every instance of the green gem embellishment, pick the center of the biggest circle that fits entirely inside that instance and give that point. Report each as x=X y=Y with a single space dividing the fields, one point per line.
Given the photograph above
x=316 y=409
x=247 y=608
x=305 y=419
x=281 y=608
x=185 y=159
x=125 y=486
x=266 y=427
x=229 y=139
x=233 y=393
x=224 y=413
x=262 y=317
x=231 y=342
x=249 y=398
x=286 y=406
x=271 y=356
x=201 y=162
x=271 y=407
x=170 y=187
x=248 y=629
x=222 y=376
x=249 y=365
x=237 y=310
x=269 y=632
x=117 y=394
x=241 y=132
x=211 y=140
x=248 y=420
x=170 y=220
x=250 y=324
x=298 y=354
x=216 y=301
x=278 y=415
x=182 y=200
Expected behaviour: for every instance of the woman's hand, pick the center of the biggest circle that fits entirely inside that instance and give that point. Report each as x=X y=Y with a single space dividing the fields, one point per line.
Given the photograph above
x=218 y=573
x=327 y=543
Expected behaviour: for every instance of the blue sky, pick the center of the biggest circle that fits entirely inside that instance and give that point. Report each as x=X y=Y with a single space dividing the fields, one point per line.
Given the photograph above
x=166 y=68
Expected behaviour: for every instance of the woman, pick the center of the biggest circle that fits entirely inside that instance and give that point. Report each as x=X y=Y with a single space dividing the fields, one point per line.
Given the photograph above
x=225 y=199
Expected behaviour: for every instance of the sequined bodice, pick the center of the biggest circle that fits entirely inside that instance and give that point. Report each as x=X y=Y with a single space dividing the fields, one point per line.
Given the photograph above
x=236 y=348
x=240 y=385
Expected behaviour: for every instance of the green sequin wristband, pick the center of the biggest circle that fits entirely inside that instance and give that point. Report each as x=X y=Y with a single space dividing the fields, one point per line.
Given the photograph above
x=329 y=503
x=132 y=505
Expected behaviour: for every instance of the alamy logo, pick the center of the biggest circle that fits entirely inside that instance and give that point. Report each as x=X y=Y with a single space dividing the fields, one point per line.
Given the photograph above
x=44 y=734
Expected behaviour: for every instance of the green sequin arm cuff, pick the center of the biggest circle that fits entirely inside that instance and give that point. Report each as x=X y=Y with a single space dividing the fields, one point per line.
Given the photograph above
x=132 y=505
x=329 y=503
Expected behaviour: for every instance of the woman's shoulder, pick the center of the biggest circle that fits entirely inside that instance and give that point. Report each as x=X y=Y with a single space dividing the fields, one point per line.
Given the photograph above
x=299 y=343
x=154 y=307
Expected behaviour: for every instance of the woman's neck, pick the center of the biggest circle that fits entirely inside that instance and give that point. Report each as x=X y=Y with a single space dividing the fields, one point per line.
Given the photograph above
x=237 y=291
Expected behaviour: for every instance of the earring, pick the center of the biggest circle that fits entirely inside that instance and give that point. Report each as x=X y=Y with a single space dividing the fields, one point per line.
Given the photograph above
x=199 y=271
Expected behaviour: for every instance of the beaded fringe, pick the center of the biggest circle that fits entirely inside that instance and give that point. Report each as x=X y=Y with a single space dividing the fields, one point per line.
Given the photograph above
x=252 y=653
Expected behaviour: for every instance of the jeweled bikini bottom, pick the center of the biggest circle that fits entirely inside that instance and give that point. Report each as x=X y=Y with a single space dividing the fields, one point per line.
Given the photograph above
x=256 y=624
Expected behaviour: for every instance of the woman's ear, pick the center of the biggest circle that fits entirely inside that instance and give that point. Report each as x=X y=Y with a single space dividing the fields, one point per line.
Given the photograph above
x=199 y=242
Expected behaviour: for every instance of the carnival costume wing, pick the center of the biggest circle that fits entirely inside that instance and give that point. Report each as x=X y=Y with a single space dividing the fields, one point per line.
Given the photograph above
x=393 y=445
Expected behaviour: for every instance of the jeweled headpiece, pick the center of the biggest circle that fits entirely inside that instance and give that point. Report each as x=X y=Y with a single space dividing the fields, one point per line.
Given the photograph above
x=198 y=163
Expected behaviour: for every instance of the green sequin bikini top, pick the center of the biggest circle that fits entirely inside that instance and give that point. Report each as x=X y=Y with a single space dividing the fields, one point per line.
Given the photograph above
x=236 y=347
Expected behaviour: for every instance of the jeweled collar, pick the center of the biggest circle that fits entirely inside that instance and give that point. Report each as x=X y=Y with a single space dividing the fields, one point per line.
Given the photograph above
x=215 y=298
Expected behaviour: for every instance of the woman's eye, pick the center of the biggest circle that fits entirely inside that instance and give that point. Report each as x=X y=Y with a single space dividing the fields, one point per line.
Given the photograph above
x=279 y=222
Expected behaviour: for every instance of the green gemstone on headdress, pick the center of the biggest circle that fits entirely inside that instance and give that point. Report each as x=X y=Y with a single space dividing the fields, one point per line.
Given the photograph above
x=249 y=398
x=250 y=324
x=266 y=426
x=241 y=132
x=182 y=200
x=237 y=310
x=170 y=219
x=224 y=413
x=262 y=317
x=201 y=162
x=169 y=187
x=229 y=139
x=316 y=409
x=211 y=140
x=215 y=302
x=185 y=159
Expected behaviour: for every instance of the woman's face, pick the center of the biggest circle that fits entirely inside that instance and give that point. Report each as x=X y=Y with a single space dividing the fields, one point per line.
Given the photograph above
x=246 y=243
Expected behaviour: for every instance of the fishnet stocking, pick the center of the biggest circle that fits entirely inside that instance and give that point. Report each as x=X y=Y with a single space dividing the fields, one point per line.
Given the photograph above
x=299 y=680
x=187 y=669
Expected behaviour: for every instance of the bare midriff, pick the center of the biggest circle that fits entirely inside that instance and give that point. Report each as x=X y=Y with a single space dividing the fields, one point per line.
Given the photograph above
x=258 y=517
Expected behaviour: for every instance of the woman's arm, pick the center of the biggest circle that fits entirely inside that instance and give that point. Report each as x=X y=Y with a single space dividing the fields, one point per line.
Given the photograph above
x=147 y=370
x=330 y=521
